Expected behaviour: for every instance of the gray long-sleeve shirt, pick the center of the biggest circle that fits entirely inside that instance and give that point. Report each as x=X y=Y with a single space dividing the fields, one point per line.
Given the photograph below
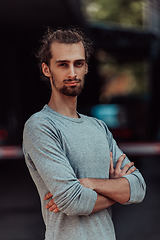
x=60 y=150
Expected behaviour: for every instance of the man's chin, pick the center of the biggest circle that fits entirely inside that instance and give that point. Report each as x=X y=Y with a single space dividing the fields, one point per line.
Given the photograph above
x=72 y=91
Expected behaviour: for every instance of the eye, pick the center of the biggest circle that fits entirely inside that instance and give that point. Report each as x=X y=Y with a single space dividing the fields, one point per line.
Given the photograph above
x=79 y=64
x=63 y=65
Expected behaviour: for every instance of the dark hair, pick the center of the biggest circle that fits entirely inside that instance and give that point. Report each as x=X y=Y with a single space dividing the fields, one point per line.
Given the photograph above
x=67 y=36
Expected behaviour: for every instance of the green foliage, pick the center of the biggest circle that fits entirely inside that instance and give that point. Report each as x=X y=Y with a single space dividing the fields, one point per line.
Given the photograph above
x=122 y=12
x=117 y=11
x=136 y=71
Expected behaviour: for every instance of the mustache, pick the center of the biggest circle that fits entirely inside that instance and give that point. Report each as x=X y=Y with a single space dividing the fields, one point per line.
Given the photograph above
x=72 y=80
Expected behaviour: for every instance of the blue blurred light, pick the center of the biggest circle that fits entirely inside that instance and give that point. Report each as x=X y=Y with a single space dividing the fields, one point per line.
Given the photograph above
x=107 y=113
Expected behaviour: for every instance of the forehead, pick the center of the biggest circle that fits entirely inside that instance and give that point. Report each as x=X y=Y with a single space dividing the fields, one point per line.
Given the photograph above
x=61 y=51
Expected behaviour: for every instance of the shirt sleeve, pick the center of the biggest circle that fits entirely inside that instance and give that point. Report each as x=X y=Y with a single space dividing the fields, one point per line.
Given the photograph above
x=135 y=179
x=42 y=144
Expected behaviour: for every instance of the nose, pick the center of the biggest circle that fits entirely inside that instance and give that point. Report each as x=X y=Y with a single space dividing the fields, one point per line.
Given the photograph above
x=72 y=72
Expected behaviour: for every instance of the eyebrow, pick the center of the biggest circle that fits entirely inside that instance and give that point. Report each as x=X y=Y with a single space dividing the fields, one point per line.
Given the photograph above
x=78 y=60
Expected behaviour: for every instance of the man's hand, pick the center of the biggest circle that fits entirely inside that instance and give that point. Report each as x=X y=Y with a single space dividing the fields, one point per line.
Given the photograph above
x=92 y=183
x=116 y=187
x=118 y=171
x=51 y=205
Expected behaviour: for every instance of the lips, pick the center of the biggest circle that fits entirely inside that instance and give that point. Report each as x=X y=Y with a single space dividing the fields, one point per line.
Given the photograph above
x=72 y=82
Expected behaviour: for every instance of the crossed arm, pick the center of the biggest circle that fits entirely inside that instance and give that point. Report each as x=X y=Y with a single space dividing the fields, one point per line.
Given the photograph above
x=109 y=191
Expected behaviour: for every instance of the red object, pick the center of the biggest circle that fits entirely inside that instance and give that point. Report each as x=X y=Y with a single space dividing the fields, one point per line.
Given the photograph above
x=11 y=152
x=3 y=134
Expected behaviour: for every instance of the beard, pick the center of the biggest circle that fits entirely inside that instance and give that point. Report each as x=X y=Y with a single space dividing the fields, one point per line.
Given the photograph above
x=72 y=91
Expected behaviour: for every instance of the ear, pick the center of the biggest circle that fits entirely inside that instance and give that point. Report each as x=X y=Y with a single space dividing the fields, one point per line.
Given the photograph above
x=86 y=71
x=46 y=70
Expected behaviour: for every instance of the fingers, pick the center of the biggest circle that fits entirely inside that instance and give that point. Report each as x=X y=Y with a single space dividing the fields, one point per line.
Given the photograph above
x=131 y=170
x=119 y=171
x=119 y=162
x=111 y=163
x=52 y=206
x=49 y=204
x=127 y=166
x=111 y=168
x=47 y=196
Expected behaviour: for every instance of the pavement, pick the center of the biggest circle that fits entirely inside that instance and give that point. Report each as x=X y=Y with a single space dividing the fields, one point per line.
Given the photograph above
x=20 y=215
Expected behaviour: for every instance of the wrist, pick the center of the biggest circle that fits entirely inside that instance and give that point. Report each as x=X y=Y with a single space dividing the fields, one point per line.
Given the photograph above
x=88 y=183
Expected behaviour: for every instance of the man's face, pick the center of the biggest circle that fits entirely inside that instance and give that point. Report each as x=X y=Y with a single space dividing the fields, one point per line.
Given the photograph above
x=67 y=68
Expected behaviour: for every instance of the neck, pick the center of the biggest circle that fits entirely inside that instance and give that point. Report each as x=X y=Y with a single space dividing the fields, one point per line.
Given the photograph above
x=65 y=105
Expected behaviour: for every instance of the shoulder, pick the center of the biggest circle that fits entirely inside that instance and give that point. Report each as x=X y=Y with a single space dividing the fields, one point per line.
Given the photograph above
x=39 y=121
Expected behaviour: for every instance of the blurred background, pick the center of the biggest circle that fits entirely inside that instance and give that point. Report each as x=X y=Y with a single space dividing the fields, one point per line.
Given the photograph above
x=122 y=88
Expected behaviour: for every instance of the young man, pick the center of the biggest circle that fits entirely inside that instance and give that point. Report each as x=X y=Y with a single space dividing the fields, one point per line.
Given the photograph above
x=73 y=159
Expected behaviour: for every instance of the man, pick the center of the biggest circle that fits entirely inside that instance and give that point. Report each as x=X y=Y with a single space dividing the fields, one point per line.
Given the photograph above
x=73 y=159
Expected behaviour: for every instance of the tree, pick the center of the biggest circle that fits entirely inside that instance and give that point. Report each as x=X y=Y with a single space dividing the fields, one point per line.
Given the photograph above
x=115 y=11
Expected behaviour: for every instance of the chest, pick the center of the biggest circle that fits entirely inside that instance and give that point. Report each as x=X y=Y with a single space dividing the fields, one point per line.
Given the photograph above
x=87 y=149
